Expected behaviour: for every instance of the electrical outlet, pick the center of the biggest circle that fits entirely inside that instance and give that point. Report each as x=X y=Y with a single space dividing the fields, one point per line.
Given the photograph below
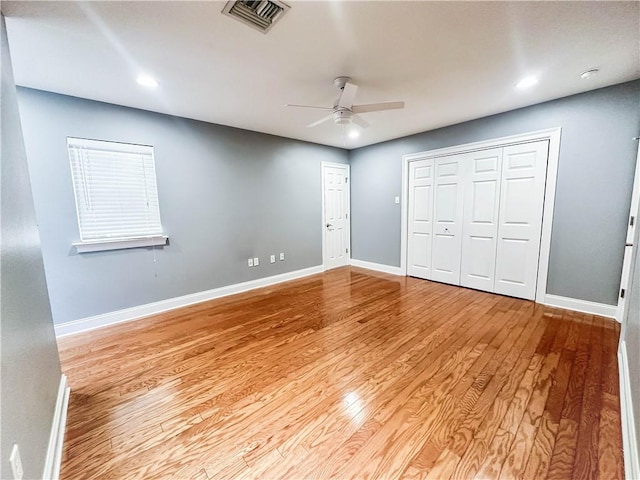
x=273 y=259
x=281 y=256
x=397 y=200
x=250 y=262
x=256 y=261
x=16 y=463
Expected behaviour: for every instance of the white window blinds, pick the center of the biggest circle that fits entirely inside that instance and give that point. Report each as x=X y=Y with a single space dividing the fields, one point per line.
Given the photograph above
x=115 y=190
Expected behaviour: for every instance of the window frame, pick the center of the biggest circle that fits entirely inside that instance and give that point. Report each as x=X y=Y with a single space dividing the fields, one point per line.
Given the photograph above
x=112 y=243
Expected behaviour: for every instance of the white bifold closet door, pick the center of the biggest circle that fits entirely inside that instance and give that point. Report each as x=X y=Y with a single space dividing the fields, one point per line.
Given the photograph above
x=420 y=226
x=475 y=218
x=447 y=219
x=482 y=182
x=524 y=169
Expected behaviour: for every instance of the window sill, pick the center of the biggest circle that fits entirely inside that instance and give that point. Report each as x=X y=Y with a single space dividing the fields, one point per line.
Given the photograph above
x=119 y=244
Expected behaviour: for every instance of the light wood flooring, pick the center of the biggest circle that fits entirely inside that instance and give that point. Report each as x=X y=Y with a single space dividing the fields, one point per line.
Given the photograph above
x=347 y=374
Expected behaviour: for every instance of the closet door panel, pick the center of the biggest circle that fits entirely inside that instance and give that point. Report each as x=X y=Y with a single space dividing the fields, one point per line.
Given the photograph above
x=478 y=262
x=521 y=204
x=420 y=226
x=447 y=219
x=445 y=258
x=480 y=225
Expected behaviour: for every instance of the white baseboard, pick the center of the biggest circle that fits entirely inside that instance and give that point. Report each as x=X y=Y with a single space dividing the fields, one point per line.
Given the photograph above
x=154 y=308
x=581 y=306
x=629 y=438
x=56 y=437
x=379 y=267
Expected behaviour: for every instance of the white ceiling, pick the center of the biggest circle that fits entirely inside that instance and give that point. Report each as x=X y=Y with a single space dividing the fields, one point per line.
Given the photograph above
x=449 y=61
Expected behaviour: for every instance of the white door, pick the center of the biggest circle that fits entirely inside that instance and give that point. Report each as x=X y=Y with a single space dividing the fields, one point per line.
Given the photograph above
x=629 y=247
x=420 y=225
x=447 y=220
x=480 y=227
x=335 y=208
x=524 y=170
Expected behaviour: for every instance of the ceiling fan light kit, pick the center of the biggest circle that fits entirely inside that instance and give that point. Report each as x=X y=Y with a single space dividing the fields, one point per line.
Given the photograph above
x=344 y=112
x=342 y=117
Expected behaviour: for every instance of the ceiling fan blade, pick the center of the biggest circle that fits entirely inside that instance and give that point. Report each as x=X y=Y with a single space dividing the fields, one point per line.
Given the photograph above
x=348 y=95
x=361 y=122
x=322 y=120
x=308 y=106
x=377 y=107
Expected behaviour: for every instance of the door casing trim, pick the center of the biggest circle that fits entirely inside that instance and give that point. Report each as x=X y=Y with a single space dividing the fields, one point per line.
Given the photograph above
x=625 y=279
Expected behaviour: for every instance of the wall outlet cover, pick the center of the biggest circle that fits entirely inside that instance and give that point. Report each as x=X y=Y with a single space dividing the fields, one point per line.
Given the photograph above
x=281 y=255
x=256 y=261
x=250 y=262
x=273 y=259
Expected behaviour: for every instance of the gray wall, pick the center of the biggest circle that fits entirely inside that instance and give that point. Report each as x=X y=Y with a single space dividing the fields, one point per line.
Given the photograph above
x=595 y=176
x=225 y=195
x=30 y=369
x=631 y=333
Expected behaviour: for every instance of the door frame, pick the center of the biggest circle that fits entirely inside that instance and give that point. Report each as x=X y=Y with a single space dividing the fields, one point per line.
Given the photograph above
x=552 y=135
x=348 y=219
x=630 y=239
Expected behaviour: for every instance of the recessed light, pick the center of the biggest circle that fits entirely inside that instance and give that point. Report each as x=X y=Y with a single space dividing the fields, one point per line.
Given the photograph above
x=354 y=134
x=527 y=82
x=589 y=73
x=147 y=81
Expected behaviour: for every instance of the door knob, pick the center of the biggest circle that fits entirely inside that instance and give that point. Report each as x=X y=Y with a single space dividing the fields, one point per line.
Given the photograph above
x=329 y=225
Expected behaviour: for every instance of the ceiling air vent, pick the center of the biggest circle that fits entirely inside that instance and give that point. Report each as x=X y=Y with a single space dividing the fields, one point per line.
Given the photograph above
x=259 y=14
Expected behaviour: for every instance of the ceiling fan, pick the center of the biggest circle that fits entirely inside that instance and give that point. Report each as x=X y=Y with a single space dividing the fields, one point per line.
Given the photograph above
x=344 y=112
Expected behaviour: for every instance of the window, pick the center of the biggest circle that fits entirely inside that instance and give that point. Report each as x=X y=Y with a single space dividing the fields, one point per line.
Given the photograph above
x=116 y=195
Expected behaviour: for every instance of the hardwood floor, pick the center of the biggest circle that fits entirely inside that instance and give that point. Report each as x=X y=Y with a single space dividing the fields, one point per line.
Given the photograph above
x=347 y=374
